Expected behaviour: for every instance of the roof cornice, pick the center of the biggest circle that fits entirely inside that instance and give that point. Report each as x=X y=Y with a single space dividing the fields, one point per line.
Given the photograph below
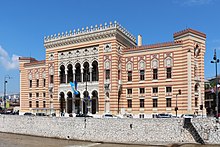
x=88 y=34
x=152 y=46
x=189 y=30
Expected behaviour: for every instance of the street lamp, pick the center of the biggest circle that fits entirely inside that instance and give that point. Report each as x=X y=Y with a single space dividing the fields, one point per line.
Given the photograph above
x=176 y=108
x=215 y=60
x=5 y=82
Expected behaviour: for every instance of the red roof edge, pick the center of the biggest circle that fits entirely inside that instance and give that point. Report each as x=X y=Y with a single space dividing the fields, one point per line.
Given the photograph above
x=189 y=30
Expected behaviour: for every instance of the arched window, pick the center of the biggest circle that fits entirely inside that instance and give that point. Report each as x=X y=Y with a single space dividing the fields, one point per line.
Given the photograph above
x=70 y=73
x=107 y=70
x=62 y=102
x=69 y=102
x=142 y=70
x=86 y=74
x=155 y=69
x=95 y=104
x=95 y=71
x=168 y=65
x=129 y=69
x=62 y=74
x=78 y=72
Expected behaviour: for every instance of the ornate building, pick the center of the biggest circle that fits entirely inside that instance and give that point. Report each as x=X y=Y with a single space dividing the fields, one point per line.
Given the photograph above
x=114 y=74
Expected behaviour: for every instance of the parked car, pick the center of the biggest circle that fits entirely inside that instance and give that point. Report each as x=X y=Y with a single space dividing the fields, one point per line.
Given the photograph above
x=109 y=115
x=128 y=115
x=28 y=114
x=40 y=114
x=187 y=115
x=83 y=115
x=163 y=115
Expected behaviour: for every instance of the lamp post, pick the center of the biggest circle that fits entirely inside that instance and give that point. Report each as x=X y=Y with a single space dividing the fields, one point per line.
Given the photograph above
x=176 y=108
x=5 y=83
x=215 y=60
x=86 y=92
x=86 y=98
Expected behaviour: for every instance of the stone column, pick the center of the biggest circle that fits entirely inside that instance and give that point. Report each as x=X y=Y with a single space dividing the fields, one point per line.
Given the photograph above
x=65 y=110
x=81 y=105
x=66 y=75
x=90 y=74
x=74 y=76
x=82 y=75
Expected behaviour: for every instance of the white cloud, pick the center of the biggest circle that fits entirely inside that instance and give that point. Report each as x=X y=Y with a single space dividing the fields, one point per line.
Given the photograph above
x=193 y=2
x=7 y=62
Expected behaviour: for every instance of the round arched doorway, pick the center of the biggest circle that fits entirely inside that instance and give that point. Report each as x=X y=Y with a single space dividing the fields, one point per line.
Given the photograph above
x=95 y=105
x=69 y=102
x=62 y=102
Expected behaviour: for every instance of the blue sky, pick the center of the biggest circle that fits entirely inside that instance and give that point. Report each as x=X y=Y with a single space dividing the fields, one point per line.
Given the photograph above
x=24 y=23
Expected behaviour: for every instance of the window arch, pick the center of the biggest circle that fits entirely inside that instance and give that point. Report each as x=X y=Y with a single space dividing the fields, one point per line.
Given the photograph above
x=69 y=102
x=155 y=66
x=129 y=71
x=62 y=74
x=142 y=70
x=86 y=74
x=62 y=102
x=78 y=72
x=107 y=70
x=95 y=71
x=168 y=65
x=168 y=62
x=69 y=73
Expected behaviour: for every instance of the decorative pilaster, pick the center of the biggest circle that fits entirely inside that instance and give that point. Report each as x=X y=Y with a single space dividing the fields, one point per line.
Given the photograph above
x=189 y=71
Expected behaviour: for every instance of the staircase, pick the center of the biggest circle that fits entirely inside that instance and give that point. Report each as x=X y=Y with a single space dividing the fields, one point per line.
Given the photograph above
x=189 y=127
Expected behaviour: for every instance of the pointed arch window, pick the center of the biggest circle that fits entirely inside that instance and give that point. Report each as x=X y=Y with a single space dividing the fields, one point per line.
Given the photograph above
x=129 y=69
x=86 y=74
x=62 y=74
x=168 y=64
x=95 y=71
x=107 y=70
x=155 y=69
x=70 y=73
x=78 y=72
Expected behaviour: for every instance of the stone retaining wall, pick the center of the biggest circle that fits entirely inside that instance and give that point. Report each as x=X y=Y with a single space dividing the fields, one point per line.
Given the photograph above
x=208 y=129
x=126 y=130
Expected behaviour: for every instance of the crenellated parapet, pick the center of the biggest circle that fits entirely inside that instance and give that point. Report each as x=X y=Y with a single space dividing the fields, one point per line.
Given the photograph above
x=88 y=34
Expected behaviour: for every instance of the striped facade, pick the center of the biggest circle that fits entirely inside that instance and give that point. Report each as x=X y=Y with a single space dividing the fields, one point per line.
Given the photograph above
x=114 y=74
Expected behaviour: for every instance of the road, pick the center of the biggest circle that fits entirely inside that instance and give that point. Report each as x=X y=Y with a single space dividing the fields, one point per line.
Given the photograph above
x=14 y=140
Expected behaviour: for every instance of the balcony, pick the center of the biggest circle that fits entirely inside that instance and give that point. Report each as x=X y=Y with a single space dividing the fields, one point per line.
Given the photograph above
x=129 y=95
